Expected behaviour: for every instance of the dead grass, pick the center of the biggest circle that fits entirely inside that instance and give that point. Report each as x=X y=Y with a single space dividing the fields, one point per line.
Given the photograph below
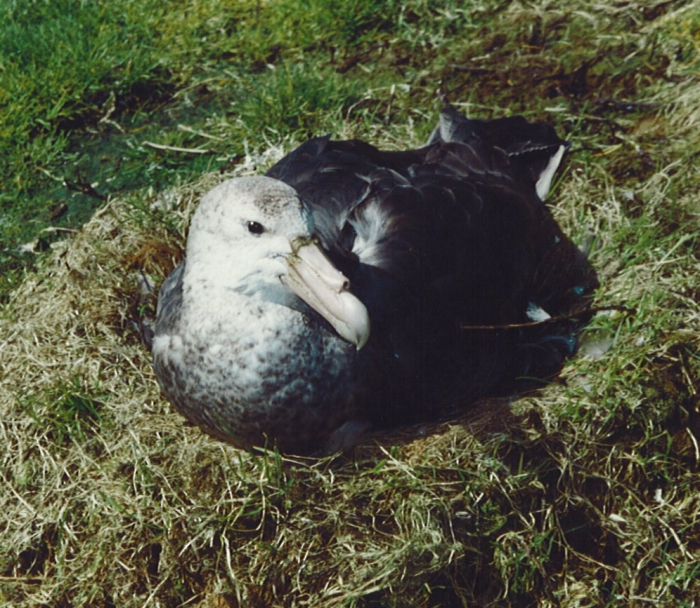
x=585 y=494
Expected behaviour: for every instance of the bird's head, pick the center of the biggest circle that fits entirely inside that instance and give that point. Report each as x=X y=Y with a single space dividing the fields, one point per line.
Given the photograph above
x=253 y=236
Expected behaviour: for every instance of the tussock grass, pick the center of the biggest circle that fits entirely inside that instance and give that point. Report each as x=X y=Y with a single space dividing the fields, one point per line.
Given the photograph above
x=586 y=493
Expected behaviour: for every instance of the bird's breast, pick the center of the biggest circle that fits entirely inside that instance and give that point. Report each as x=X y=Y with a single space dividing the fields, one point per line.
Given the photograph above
x=271 y=372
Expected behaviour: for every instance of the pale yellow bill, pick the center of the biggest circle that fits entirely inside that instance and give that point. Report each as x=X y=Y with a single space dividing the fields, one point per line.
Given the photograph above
x=314 y=278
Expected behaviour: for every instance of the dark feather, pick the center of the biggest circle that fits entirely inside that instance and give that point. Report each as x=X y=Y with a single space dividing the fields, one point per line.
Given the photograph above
x=459 y=238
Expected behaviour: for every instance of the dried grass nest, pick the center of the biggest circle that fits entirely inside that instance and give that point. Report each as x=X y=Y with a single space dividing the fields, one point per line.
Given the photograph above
x=584 y=494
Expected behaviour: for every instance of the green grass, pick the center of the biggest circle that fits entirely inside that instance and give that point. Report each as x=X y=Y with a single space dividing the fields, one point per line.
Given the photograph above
x=83 y=86
x=582 y=495
x=72 y=413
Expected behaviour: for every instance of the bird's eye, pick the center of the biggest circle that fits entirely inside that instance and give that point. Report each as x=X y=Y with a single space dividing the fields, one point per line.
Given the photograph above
x=255 y=228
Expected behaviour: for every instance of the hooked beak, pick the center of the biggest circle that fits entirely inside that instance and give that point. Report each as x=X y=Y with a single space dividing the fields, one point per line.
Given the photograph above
x=312 y=276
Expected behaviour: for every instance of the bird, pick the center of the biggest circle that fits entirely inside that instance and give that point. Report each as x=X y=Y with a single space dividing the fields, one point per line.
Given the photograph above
x=350 y=289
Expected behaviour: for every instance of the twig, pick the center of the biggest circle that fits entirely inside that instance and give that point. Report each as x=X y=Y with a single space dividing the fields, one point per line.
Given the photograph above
x=176 y=149
x=59 y=229
x=573 y=315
